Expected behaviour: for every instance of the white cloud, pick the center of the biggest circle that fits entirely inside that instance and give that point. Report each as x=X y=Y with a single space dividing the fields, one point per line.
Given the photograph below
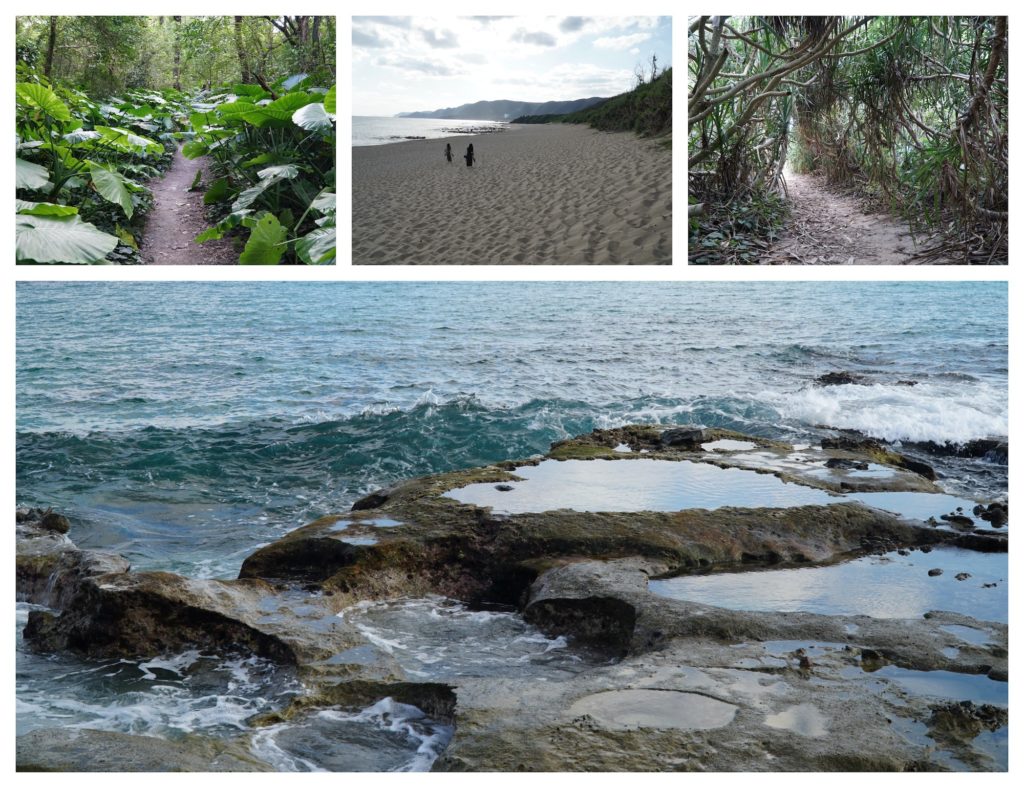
x=621 y=42
x=444 y=39
x=431 y=67
x=538 y=38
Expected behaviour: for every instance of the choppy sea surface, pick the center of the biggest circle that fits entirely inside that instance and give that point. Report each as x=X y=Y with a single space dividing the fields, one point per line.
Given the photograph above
x=367 y=130
x=185 y=424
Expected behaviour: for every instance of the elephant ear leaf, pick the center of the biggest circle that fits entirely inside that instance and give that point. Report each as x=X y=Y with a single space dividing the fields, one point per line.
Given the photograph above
x=60 y=239
x=112 y=186
x=30 y=175
x=43 y=98
x=313 y=117
x=330 y=100
x=266 y=242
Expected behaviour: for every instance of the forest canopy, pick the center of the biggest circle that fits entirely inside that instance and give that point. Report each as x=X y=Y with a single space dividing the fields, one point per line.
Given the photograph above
x=108 y=54
x=910 y=113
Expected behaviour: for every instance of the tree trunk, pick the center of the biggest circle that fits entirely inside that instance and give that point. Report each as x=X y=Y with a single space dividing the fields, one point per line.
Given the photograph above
x=243 y=60
x=177 y=53
x=318 y=51
x=50 y=44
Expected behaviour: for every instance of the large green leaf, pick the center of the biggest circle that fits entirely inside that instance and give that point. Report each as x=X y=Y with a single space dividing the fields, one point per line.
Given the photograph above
x=43 y=98
x=219 y=190
x=81 y=135
x=236 y=108
x=228 y=223
x=265 y=245
x=325 y=202
x=29 y=175
x=268 y=177
x=318 y=247
x=127 y=140
x=44 y=208
x=193 y=149
x=313 y=117
x=330 y=100
x=60 y=239
x=278 y=113
x=278 y=172
x=271 y=157
x=112 y=186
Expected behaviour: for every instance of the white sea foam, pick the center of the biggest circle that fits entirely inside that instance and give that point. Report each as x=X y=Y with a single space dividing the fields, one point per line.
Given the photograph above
x=351 y=741
x=438 y=637
x=925 y=412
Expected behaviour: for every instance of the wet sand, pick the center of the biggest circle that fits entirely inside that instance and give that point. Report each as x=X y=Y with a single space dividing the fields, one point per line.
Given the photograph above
x=552 y=194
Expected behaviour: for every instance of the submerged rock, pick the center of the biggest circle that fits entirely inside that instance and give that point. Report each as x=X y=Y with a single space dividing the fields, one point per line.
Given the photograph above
x=879 y=453
x=840 y=379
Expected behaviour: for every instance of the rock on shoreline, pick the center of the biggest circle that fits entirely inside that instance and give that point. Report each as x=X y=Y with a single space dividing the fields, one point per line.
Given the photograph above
x=579 y=574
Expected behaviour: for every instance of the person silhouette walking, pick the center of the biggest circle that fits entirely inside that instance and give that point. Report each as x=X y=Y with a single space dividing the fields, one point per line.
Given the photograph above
x=469 y=157
x=448 y=152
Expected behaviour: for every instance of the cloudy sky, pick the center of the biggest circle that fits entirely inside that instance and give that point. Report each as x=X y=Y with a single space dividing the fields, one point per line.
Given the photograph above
x=406 y=64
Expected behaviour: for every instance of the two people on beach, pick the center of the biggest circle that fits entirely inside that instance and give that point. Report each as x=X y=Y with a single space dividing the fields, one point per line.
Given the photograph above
x=470 y=157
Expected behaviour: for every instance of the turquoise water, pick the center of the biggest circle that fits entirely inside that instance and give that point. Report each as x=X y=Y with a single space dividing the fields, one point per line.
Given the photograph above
x=186 y=423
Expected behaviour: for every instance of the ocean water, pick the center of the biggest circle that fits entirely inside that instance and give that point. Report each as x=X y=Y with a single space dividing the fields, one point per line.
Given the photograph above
x=368 y=130
x=185 y=424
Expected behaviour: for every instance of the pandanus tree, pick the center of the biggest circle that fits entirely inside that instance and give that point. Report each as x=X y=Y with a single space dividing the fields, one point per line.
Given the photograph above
x=909 y=111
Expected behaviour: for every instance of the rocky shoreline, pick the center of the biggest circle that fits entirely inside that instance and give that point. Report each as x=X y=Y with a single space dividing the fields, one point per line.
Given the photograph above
x=670 y=684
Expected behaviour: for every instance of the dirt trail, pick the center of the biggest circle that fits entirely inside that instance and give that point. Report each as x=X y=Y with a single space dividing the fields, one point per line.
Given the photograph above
x=178 y=216
x=828 y=228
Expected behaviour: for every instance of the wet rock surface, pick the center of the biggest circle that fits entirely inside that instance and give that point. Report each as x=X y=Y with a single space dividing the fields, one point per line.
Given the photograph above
x=61 y=750
x=661 y=683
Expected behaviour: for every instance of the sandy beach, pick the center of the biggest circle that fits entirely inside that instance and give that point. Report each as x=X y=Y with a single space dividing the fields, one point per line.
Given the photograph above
x=552 y=194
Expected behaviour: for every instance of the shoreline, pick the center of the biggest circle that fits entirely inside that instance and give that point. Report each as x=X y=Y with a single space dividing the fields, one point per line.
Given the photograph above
x=349 y=605
x=546 y=194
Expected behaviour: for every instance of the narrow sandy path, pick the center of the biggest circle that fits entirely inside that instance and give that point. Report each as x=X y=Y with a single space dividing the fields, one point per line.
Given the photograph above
x=178 y=216
x=827 y=228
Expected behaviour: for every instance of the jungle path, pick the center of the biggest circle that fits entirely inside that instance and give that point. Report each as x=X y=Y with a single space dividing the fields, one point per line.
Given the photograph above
x=826 y=228
x=178 y=216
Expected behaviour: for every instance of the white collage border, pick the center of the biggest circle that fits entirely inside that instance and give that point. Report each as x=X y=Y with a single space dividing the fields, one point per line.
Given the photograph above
x=344 y=271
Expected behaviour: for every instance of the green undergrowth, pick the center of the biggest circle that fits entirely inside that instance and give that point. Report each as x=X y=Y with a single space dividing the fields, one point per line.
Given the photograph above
x=738 y=232
x=646 y=110
x=82 y=164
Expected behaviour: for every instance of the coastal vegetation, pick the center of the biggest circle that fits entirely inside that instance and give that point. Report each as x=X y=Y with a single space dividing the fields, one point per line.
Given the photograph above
x=646 y=109
x=907 y=114
x=106 y=105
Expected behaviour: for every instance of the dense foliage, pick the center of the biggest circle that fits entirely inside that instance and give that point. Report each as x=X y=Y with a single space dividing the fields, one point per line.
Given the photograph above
x=107 y=55
x=909 y=112
x=82 y=164
x=647 y=109
x=275 y=156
